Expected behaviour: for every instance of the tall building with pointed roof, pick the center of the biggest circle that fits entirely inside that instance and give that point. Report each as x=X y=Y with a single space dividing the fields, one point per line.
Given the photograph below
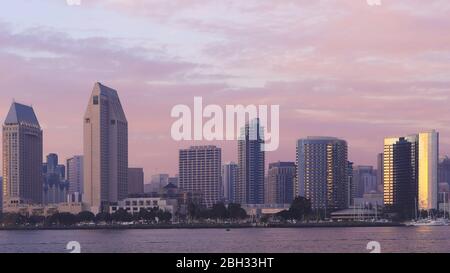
x=22 y=156
x=105 y=150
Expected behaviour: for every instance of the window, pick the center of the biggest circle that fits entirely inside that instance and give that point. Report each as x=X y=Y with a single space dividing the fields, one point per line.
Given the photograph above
x=95 y=100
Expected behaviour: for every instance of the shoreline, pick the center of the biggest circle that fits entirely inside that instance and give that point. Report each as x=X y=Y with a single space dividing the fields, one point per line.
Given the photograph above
x=208 y=226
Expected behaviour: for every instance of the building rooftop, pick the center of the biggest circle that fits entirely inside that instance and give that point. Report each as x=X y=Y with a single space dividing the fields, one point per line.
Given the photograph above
x=20 y=113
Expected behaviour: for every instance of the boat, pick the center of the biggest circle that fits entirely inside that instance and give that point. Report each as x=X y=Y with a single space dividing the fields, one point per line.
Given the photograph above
x=428 y=222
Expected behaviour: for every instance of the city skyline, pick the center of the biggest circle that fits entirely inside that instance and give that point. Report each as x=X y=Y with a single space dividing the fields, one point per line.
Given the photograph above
x=360 y=89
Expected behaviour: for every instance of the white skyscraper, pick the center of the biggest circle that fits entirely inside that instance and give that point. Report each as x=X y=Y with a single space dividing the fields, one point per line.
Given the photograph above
x=105 y=150
x=200 y=171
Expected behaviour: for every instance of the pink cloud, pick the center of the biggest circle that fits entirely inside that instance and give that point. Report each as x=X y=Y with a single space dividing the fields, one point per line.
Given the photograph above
x=337 y=68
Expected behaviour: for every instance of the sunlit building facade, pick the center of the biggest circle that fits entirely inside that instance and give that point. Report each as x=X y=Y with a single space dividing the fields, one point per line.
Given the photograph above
x=410 y=173
x=428 y=170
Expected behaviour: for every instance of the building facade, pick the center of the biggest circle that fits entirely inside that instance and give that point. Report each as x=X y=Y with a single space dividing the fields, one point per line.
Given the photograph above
x=251 y=171
x=105 y=150
x=280 y=183
x=56 y=187
x=75 y=174
x=22 y=156
x=200 y=171
x=428 y=170
x=229 y=181
x=134 y=204
x=322 y=172
x=135 y=181
x=411 y=173
x=364 y=180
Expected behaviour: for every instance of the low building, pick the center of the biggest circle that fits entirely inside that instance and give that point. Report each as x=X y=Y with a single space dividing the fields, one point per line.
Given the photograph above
x=259 y=210
x=370 y=200
x=135 y=204
x=354 y=214
x=44 y=210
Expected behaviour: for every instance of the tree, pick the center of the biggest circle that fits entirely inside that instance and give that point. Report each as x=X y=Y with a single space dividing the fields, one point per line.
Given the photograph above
x=219 y=211
x=36 y=219
x=64 y=219
x=122 y=215
x=284 y=215
x=164 y=216
x=146 y=215
x=103 y=217
x=300 y=208
x=194 y=210
x=235 y=212
x=86 y=216
x=13 y=219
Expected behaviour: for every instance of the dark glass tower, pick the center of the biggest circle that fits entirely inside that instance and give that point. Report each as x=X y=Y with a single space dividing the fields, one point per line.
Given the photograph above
x=250 y=186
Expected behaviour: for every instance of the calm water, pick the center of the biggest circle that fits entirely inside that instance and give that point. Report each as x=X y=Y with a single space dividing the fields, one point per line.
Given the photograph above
x=392 y=239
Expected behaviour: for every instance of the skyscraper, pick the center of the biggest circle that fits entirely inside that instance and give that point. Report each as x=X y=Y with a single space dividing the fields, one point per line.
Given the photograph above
x=444 y=170
x=135 y=181
x=322 y=172
x=428 y=170
x=229 y=180
x=365 y=180
x=250 y=184
x=280 y=184
x=200 y=171
x=380 y=172
x=400 y=175
x=55 y=186
x=22 y=156
x=75 y=174
x=411 y=173
x=105 y=150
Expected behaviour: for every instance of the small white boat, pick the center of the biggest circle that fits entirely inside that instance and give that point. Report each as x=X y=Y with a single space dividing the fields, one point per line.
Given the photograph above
x=428 y=222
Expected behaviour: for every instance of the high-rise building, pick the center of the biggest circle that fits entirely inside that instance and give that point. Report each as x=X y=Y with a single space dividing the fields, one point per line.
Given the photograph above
x=105 y=150
x=159 y=181
x=229 y=180
x=428 y=170
x=200 y=171
x=444 y=170
x=251 y=172
x=322 y=172
x=173 y=180
x=400 y=175
x=410 y=173
x=22 y=156
x=280 y=183
x=1 y=194
x=135 y=181
x=350 y=185
x=75 y=174
x=55 y=187
x=380 y=172
x=364 y=181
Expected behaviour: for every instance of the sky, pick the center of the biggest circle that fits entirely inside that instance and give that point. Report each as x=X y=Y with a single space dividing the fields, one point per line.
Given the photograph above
x=339 y=68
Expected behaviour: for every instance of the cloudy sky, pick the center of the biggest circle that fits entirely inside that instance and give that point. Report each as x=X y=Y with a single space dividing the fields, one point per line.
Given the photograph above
x=338 y=68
